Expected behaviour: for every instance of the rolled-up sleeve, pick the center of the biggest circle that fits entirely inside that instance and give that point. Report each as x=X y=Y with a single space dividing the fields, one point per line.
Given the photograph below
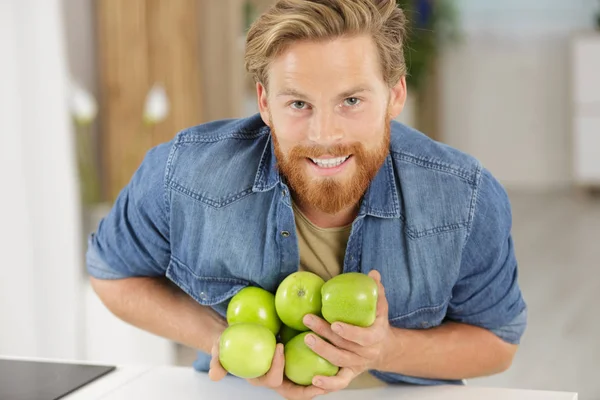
x=487 y=293
x=133 y=239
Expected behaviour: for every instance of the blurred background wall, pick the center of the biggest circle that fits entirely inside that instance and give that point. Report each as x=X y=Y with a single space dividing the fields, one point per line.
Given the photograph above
x=506 y=89
x=87 y=87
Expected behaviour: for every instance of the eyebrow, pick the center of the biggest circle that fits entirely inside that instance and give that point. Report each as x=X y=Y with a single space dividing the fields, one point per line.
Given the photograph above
x=354 y=90
x=295 y=93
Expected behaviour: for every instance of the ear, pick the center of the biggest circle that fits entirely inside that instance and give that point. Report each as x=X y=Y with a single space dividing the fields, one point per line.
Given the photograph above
x=263 y=104
x=397 y=98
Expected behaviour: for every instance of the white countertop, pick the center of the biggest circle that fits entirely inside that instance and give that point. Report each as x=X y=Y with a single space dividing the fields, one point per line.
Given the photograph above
x=183 y=383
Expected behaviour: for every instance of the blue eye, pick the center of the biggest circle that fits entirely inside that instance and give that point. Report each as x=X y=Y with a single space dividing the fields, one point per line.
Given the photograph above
x=298 y=105
x=352 y=101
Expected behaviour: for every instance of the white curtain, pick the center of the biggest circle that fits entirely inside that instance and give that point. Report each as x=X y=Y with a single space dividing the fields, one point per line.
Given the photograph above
x=40 y=243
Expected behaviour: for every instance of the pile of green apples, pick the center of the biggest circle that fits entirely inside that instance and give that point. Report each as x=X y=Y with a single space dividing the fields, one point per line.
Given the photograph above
x=258 y=319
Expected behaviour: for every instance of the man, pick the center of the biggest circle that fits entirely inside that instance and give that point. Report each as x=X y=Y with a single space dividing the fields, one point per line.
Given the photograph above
x=322 y=180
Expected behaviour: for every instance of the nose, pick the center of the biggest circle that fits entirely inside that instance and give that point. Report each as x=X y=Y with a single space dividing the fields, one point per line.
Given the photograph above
x=325 y=128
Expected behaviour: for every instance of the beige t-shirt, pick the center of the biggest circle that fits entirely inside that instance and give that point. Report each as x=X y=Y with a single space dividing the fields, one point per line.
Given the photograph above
x=322 y=252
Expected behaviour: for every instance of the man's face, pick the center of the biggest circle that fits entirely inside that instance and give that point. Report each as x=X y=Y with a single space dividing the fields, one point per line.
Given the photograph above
x=329 y=110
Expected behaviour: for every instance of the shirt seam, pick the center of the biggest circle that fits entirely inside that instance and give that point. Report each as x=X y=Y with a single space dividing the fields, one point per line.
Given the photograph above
x=208 y=201
x=167 y=179
x=472 y=209
x=435 y=230
x=421 y=310
x=437 y=165
x=195 y=137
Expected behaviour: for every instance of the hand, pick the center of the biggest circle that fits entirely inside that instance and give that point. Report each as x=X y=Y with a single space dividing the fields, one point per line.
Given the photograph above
x=354 y=349
x=273 y=379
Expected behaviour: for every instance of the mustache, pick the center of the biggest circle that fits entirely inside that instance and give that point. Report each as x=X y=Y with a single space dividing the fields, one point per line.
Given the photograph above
x=316 y=151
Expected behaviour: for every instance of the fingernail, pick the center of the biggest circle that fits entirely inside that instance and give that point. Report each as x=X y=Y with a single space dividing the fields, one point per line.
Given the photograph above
x=281 y=349
x=317 y=382
x=307 y=320
x=337 y=328
x=310 y=340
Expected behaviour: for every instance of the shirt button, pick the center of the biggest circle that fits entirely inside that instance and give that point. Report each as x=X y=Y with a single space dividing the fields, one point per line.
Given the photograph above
x=284 y=192
x=203 y=296
x=285 y=233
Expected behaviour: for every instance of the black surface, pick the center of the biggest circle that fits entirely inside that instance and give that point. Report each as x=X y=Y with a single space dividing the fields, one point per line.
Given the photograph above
x=32 y=380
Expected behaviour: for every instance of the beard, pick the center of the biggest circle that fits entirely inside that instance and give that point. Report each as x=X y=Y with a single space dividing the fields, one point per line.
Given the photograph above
x=331 y=194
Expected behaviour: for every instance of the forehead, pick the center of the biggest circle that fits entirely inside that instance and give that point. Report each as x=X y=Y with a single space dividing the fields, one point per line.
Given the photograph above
x=327 y=65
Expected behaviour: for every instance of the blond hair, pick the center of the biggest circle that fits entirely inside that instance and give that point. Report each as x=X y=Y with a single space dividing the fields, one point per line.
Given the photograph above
x=288 y=21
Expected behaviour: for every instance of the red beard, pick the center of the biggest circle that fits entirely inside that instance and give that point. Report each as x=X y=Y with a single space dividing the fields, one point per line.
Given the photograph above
x=331 y=195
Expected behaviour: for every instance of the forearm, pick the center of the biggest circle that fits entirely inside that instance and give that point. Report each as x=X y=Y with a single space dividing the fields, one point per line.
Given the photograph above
x=450 y=351
x=155 y=305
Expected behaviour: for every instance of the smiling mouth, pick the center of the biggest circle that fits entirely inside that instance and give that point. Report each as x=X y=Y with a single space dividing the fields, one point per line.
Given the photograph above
x=329 y=162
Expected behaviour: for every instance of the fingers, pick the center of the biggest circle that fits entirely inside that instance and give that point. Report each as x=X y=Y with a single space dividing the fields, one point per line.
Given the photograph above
x=291 y=391
x=363 y=337
x=216 y=371
x=369 y=336
x=310 y=392
x=335 y=383
x=375 y=275
x=274 y=377
x=333 y=354
x=352 y=338
x=382 y=304
x=323 y=329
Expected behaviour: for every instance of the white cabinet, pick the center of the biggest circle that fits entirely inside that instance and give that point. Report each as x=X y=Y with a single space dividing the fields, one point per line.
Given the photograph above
x=585 y=103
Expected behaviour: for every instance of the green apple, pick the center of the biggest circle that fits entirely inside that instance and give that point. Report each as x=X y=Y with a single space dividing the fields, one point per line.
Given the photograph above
x=297 y=295
x=302 y=364
x=247 y=350
x=254 y=305
x=286 y=333
x=350 y=298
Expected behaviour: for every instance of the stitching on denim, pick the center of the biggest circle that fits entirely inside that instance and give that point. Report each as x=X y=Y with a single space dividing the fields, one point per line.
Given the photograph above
x=472 y=206
x=183 y=286
x=392 y=189
x=435 y=231
x=197 y=137
x=396 y=213
x=105 y=272
x=437 y=165
x=216 y=279
x=359 y=239
x=421 y=311
x=261 y=169
x=373 y=210
x=211 y=202
x=167 y=178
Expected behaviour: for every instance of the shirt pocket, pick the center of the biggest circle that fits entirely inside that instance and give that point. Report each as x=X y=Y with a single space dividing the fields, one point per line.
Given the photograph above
x=206 y=290
x=421 y=318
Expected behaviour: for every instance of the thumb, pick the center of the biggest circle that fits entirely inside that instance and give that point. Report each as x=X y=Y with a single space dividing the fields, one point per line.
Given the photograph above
x=376 y=276
x=216 y=371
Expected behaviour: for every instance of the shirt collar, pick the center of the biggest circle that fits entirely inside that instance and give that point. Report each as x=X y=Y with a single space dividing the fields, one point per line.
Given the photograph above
x=267 y=176
x=380 y=200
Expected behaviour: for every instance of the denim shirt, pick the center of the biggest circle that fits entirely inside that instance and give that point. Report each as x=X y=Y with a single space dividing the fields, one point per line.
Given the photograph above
x=210 y=211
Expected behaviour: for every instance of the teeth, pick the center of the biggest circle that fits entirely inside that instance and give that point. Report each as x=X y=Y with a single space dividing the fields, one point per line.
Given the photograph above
x=329 y=162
